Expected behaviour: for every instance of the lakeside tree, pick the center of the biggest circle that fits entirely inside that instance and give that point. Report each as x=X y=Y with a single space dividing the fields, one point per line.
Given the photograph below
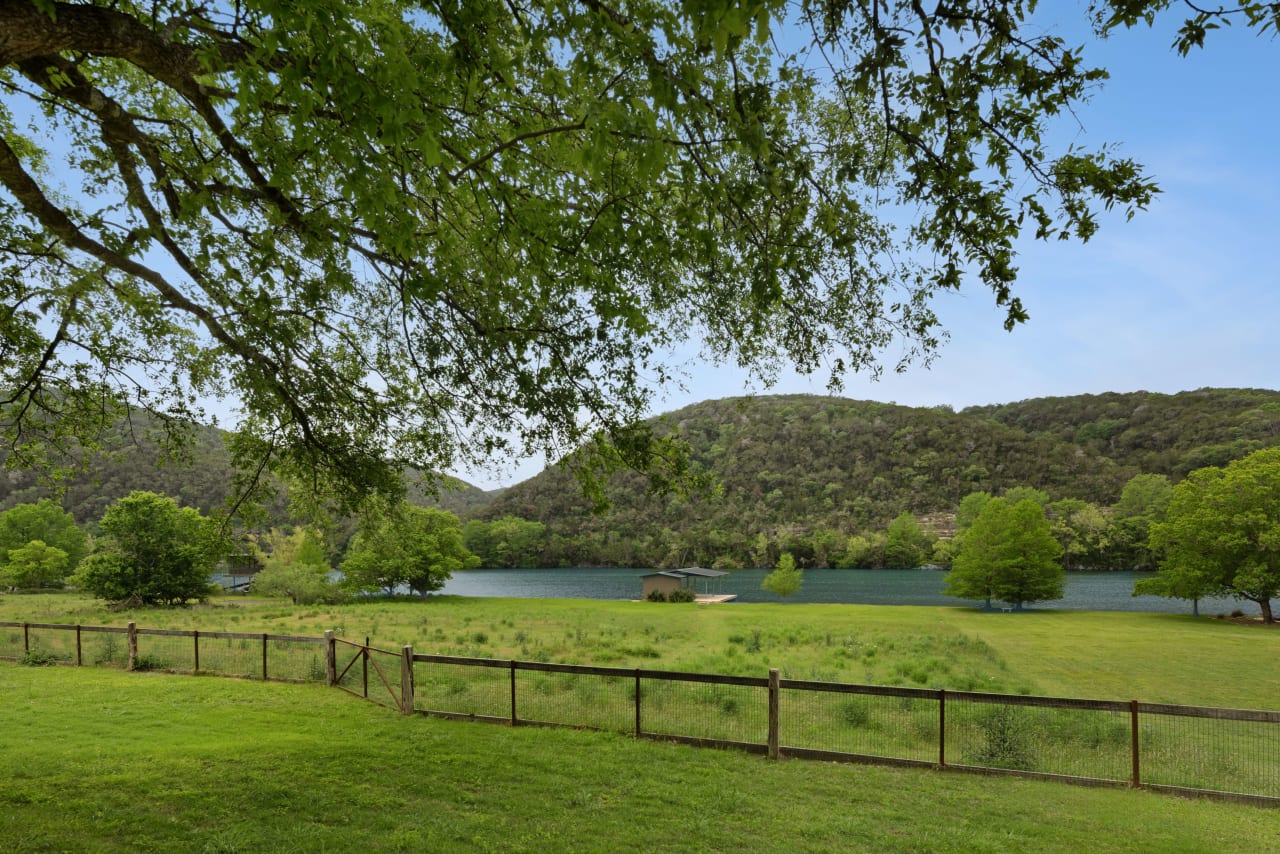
x=152 y=552
x=33 y=566
x=418 y=547
x=1222 y=533
x=786 y=578
x=26 y=560
x=1144 y=502
x=506 y=542
x=906 y=544
x=47 y=523
x=295 y=566
x=1008 y=554
x=402 y=234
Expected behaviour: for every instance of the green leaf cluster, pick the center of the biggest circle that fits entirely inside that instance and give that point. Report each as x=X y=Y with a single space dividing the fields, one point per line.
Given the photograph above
x=152 y=552
x=1008 y=554
x=401 y=235
x=416 y=547
x=1222 y=534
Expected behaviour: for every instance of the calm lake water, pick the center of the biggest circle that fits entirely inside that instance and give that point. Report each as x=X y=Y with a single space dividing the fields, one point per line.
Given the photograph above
x=1086 y=591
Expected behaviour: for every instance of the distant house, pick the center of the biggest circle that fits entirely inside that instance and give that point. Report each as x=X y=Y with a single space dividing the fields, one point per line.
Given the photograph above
x=693 y=578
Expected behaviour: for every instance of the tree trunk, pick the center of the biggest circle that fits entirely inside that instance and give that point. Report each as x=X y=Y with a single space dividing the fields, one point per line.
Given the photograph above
x=1265 y=605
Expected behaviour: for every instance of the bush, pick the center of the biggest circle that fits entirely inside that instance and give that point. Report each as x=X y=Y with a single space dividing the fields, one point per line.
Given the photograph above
x=1007 y=740
x=855 y=712
x=681 y=594
x=657 y=596
x=149 y=662
x=40 y=658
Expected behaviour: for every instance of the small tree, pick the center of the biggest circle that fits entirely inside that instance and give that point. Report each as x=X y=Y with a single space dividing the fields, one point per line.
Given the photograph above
x=152 y=551
x=906 y=544
x=785 y=579
x=303 y=583
x=419 y=547
x=296 y=567
x=49 y=524
x=34 y=565
x=1009 y=554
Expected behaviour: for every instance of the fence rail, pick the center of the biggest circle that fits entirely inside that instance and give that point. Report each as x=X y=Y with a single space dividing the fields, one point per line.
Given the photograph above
x=1195 y=750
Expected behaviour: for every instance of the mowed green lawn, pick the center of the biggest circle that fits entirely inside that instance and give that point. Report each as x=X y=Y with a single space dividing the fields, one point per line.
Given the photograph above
x=101 y=760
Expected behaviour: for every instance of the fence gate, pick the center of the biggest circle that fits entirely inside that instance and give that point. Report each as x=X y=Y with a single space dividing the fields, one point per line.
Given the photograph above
x=369 y=672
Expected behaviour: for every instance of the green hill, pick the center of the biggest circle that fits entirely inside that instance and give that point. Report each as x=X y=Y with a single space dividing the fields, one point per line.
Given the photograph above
x=803 y=472
x=1168 y=434
x=803 y=465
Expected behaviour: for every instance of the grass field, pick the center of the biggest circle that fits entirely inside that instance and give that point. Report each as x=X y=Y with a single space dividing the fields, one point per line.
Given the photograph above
x=101 y=760
x=1164 y=658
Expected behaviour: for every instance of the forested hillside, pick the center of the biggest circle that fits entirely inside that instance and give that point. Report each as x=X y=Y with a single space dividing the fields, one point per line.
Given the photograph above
x=814 y=475
x=815 y=467
x=1169 y=434
x=202 y=479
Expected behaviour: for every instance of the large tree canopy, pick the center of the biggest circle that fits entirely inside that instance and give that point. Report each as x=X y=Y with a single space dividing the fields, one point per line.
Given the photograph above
x=1222 y=534
x=398 y=232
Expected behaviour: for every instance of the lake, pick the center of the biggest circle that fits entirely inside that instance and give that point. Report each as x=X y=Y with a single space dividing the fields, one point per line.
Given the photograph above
x=1086 y=591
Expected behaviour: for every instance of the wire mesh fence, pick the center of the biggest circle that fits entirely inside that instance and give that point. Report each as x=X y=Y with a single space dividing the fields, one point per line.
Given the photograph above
x=1235 y=753
x=1085 y=739
x=1226 y=750
x=865 y=721
x=704 y=707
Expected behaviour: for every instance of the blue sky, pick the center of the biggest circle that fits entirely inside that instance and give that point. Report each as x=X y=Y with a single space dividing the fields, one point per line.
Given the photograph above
x=1186 y=295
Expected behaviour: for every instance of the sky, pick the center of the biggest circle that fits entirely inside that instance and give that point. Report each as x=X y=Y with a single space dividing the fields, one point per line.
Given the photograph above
x=1184 y=296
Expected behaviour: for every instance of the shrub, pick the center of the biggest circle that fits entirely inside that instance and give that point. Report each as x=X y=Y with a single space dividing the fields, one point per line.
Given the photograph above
x=1006 y=740
x=657 y=596
x=40 y=658
x=149 y=662
x=680 y=594
x=855 y=712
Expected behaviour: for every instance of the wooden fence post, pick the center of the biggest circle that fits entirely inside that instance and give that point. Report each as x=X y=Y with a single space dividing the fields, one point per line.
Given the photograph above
x=133 y=645
x=79 y=649
x=638 y=730
x=195 y=650
x=942 y=728
x=774 y=711
x=264 y=656
x=1133 y=729
x=26 y=638
x=514 y=719
x=406 y=679
x=330 y=659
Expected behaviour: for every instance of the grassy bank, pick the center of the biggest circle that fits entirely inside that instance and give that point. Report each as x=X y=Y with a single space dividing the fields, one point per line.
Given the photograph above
x=99 y=760
x=1151 y=657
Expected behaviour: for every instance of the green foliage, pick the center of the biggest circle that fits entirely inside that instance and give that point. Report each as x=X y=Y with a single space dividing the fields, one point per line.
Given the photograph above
x=785 y=579
x=303 y=583
x=152 y=552
x=906 y=544
x=417 y=547
x=1158 y=434
x=802 y=474
x=506 y=542
x=61 y=547
x=657 y=596
x=34 y=565
x=1222 y=533
x=395 y=279
x=1008 y=554
x=1006 y=737
x=40 y=658
x=681 y=594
